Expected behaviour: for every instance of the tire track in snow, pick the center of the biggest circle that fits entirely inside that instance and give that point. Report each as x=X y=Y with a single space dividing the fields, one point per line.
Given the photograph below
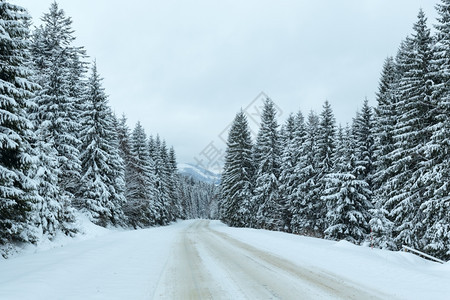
x=207 y=264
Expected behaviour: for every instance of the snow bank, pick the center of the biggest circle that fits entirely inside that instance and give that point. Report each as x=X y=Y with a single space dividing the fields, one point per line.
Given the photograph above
x=396 y=273
x=117 y=264
x=101 y=264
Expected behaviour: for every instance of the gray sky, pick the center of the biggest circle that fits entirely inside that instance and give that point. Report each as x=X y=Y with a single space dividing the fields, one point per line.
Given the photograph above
x=184 y=68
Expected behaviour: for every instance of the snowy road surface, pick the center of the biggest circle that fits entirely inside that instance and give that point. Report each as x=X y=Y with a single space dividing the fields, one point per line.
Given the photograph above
x=207 y=264
x=201 y=259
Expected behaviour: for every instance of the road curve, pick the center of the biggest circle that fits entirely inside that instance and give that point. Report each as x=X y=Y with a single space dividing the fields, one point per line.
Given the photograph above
x=206 y=264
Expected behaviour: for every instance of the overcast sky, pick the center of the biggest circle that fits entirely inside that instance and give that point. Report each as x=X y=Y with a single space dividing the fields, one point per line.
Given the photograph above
x=184 y=68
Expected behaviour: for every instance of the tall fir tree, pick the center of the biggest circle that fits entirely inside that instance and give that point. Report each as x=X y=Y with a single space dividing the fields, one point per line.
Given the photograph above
x=236 y=184
x=101 y=192
x=158 y=154
x=306 y=192
x=347 y=197
x=436 y=209
x=124 y=146
x=176 y=209
x=17 y=189
x=363 y=132
x=386 y=116
x=411 y=134
x=293 y=138
x=326 y=147
x=142 y=209
x=53 y=55
x=267 y=154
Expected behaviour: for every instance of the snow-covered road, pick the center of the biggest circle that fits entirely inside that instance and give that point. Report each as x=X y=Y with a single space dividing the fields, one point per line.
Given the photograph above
x=207 y=264
x=201 y=259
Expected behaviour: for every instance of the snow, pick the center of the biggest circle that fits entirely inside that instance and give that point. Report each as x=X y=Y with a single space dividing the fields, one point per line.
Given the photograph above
x=120 y=264
x=401 y=274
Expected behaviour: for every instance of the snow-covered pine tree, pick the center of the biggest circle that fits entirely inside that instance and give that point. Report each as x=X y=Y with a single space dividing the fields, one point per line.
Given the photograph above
x=141 y=208
x=326 y=146
x=437 y=207
x=152 y=151
x=53 y=55
x=267 y=157
x=236 y=184
x=363 y=132
x=17 y=189
x=411 y=134
x=101 y=185
x=165 y=181
x=381 y=227
x=117 y=176
x=287 y=166
x=176 y=210
x=306 y=191
x=385 y=119
x=124 y=144
x=347 y=197
x=158 y=153
x=293 y=138
x=386 y=116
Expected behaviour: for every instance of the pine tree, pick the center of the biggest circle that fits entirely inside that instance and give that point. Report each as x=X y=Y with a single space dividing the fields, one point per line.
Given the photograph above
x=124 y=147
x=411 y=134
x=17 y=189
x=326 y=147
x=158 y=154
x=142 y=208
x=347 y=198
x=293 y=138
x=236 y=184
x=365 y=143
x=385 y=119
x=436 y=209
x=101 y=192
x=386 y=116
x=306 y=192
x=52 y=56
x=176 y=209
x=267 y=154
x=117 y=176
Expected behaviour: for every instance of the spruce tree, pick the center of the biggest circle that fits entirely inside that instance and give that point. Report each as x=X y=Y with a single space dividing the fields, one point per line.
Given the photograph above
x=267 y=154
x=306 y=192
x=236 y=184
x=141 y=209
x=124 y=146
x=101 y=189
x=411 y=134
x=347 y=198
x=326 y=148
x=386 y=116
x=17 y=189
x=436 y=209
x=158 y=154
x=363 y=132
x=176 y=209
x=293 y=138
x=53 y=55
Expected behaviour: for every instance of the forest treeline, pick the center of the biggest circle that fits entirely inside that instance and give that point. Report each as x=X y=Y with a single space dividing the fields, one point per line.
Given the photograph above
x=63 y=150
x=383 y=179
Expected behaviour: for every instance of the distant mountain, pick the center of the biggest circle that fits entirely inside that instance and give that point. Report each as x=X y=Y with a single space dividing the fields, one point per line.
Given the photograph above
x=198 y=173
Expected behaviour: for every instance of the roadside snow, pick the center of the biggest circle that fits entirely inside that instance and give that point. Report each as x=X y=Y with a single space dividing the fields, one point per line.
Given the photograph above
x=117 y=264
x=396 y=273
x=103 y=264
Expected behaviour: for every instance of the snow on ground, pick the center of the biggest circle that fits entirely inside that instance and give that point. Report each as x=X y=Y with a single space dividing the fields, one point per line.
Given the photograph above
x=396 y=273
x=118 y=264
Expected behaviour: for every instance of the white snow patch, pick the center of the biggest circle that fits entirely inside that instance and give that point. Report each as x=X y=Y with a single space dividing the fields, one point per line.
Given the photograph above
x=400 y=274
x=118 y=264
